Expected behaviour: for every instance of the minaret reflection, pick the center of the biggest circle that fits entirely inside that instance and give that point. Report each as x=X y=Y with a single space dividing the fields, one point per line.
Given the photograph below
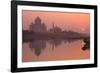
x=55 y=43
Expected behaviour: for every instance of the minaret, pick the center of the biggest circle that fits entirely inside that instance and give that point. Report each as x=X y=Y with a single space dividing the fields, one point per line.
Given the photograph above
x=53 y=27
x=53 y=24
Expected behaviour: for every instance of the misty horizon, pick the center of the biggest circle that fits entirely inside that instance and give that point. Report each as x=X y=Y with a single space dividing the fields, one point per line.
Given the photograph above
x=66 y=25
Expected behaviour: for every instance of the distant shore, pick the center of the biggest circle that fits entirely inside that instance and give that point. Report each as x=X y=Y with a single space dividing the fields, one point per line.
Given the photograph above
x=27 y=35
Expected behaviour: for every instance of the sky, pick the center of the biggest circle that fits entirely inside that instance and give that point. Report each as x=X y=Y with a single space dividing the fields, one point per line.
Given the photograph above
x=78 y=22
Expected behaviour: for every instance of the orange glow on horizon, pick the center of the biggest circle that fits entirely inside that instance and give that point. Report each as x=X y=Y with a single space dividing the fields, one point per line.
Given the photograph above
x=79 y=22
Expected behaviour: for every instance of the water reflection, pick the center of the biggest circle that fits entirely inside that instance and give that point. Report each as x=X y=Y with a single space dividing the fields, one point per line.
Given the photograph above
x=38 y=45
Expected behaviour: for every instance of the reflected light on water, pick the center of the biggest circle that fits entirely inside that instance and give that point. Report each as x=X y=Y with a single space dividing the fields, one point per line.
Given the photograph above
x=54 y=49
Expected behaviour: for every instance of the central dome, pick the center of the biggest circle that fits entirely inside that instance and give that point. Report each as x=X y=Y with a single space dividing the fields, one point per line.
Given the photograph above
x=38 y=20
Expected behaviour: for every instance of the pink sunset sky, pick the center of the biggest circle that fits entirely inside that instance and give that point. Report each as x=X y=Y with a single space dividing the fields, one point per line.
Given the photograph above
x=79 y=22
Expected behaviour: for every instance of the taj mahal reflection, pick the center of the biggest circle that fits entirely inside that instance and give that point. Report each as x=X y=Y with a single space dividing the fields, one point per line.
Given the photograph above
x=37 y=46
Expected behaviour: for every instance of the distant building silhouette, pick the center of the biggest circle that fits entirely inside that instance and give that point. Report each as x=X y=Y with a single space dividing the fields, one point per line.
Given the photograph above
x=55 y=29
x=38 y=26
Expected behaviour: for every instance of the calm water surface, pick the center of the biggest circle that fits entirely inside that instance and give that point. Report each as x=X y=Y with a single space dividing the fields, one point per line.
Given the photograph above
x=51 y=50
